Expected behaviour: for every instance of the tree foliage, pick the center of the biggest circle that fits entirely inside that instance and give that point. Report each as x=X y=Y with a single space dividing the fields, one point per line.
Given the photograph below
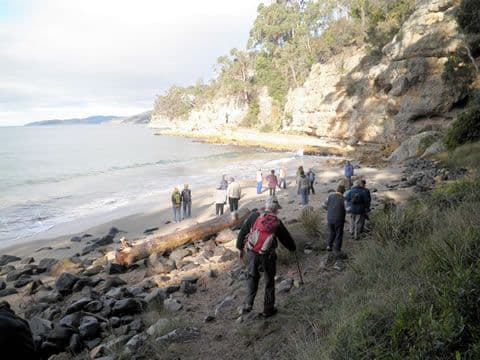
x=468 y=16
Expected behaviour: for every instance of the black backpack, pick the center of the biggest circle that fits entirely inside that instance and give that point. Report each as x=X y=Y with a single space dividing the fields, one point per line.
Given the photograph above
x=357 y=198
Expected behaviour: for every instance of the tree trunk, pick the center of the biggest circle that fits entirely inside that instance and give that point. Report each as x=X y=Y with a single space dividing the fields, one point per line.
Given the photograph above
x=160 y=244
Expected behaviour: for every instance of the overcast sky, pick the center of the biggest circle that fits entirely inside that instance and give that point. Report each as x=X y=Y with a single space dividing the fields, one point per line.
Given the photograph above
x=75 y=58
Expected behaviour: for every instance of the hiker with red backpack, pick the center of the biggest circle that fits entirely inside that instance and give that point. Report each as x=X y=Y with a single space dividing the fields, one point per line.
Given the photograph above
x=257 y=240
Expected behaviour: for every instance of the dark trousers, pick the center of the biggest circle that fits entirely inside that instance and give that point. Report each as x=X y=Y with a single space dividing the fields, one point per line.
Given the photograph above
x=335 y=235
x=233 y=204
x=272 y=191
x=218 y=209
x=311 y=189
x=268 y=263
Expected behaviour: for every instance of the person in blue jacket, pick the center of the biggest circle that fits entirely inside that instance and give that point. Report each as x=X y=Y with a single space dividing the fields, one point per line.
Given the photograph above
x=348 y=171
x=357 y=205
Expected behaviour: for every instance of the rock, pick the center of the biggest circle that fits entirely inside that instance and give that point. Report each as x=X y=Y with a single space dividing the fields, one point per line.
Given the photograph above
x=89 y=327
x=52 y=297
x=411 y=147
x=6 y=269
x=93 y=270
x=137 y=291
x=113 y=281
x=157 y=295
x=34 y=286
x=209 y=318
x=45 y=265
x=27 y=260
x=65 y=282
x=212 y=273
x=44 y=248
x=172 y=305
x=52 y=312
x=136 y=326
x=228 y=255
x=118 y=293
x=75 y=345
x=114 y=268
x=188 y=288
x=135 y=342
x=127 y=319
x=60 y=335
x=71 y=321
x=157 y=264
x=437 y=147
x=179 y=335
x=225 y=303
x=6 y=259
x=84 y=281
x=170 y=289
x=78 y=305
x=92 y=343
x=190 y=278
x=22 y=281
x=3 y=285
x=115 y=322
x=178 y=254
x=127 y=307
x=156 y=328
x=15 y=274
x=285 y=286
x=76 y=239
x=150 y=230
x=225 y=236
x=40 y=327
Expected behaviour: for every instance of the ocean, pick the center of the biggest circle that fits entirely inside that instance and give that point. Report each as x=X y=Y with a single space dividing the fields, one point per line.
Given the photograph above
x=51 y=175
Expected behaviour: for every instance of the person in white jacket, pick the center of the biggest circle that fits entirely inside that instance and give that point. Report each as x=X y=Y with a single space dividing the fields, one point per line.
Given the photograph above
x=234 y=192
x=220 y=198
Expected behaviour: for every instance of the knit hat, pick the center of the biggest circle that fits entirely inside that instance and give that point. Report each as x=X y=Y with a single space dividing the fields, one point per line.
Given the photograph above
x=272 y=203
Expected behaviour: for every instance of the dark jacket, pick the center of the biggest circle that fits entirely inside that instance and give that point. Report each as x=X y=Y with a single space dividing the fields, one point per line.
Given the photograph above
x=364 y=204
x=335 y=206
x=186 y=196
x=15 y=336
x=281 y=233
x=348 y=170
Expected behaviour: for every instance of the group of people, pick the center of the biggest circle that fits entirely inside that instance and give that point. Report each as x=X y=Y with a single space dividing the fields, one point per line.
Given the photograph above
x=272 y=181
x=181 y=203
x=230 y=191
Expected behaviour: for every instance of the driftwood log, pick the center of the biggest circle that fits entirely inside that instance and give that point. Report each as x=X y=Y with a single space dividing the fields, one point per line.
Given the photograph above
x=159 y=244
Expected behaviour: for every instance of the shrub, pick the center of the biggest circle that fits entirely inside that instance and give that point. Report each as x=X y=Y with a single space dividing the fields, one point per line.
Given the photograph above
x=465 y=129
x=425 y=143
x=468 y=15
x=458 y=72
x=251 y=118
x=311 y=220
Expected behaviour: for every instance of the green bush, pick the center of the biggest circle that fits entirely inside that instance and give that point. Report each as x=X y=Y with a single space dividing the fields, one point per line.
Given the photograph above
x=465 y=129
x=458 y=73
x=251 y=118
x=468 y=15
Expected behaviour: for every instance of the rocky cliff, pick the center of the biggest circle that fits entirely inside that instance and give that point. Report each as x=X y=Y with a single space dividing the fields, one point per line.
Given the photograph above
x=361 y=95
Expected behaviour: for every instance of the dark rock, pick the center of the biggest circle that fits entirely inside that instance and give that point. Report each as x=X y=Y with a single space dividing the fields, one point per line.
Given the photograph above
x=60 y=335
x=209 y=318
x=148 y=231
x=5 y=259
x=81 y=283
x=137 y=291
x=6 y=269
x=118 y=293
x=115 y=322
x=135 y=342
x=127 y=319
x=127 y=307
x=94 y=306
x=114 y=268
x=22 y=281
x=51 y=298
x=167 y=222
x=34 y=287
x=86 y=235
x=27 y=260
x=89 y=327
x=45 y=265
x=35 y=309
x=113 y=281
x=188 y=288
x=190 y=278
x=88 y=249
x=3 y=285
x=71 y=321
x=40 y=327
x=8 y=291
x=93 y=343
x=78 y=305
x=75 y=345
x=65 y=282
x=94 y=270
x=44 y=248
x=52 y=312
x=15 y=274
x=179 y=335
x=136 y=326
x=212 y=273
x=50 y=348
x=76 y=239
x=157 y=295
x=170 y=289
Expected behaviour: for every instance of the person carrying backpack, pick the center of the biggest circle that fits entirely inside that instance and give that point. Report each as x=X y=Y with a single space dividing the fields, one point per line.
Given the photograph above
x=311 y=179
x=335 y=206
x=176 y=205
x=356 y=204
x=186 y=202
x=257 y=240
x=272 y=182
x=303 y=186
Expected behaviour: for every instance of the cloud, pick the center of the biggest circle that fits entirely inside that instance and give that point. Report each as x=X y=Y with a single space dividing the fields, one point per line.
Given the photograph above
x=64 y=57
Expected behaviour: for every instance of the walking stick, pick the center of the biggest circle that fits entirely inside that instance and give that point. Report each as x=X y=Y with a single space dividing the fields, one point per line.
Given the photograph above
x=298 y=267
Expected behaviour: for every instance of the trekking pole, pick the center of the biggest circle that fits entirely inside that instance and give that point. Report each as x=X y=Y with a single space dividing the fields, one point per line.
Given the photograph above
x=299 y=271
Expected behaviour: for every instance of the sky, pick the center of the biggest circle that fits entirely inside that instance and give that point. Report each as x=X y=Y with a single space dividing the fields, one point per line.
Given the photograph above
x=75 y=58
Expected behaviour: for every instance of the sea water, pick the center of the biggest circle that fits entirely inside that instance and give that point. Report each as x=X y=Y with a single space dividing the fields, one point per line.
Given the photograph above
x=51 y=175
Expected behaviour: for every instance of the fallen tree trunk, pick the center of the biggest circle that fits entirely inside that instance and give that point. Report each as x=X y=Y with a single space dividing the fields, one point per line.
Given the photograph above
x=160 y=244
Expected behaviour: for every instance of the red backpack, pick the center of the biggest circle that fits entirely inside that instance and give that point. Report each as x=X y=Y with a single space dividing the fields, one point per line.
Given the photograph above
x=262 y=234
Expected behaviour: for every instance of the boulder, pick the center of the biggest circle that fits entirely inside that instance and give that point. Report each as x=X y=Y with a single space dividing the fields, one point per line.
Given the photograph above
x=179 y=254
x=188 y=288
x=15 y=274
x=157 y=264
x=93 y=270
x=172 y=305
x=127 y=307
x=6 y=259
x=93 y=306
x=285 y=286
x=89 y=327
x=114 y=268
x=225 y=236
x=157 y=295
x=34 y=286
x=137 y=325
x=65 y=282
x=411 y=147
x=22 y=281
x=75 y=345
x=46 y=264
x=3 y=284
x=6 y=269
x=113 y=281
x=39 y=327
x=437 y=147
x=78 y=305
x=27 y=260
x=156 y=328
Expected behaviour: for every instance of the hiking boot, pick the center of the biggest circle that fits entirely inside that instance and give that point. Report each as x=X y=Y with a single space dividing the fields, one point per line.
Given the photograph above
x=329 y=248
x=270 y=313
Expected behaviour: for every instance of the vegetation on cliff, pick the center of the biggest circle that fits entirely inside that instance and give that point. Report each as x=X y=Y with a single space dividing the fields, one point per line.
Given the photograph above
x=286 y=39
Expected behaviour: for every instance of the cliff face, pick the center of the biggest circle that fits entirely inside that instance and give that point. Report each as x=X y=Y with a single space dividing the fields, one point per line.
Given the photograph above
x=357 y=95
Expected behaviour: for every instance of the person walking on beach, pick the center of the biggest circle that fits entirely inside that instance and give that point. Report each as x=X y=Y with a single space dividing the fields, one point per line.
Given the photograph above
x=335 y=206
x=259 y=181
x=176 y=205
x=257 y=240
x=348 y=172
x=223 y=182
x=303 y=186
x=234 y=192
x=357 y=202
x=311 y=180
x=272 y=182
x=186 y=202
x=297 y=175
x=282 y=178
x=220 y=199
